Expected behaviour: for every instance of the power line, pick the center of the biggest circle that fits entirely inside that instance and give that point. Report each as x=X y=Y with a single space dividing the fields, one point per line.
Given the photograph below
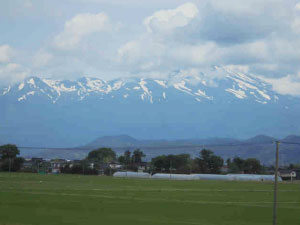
x=289 y=143
x=149 y=147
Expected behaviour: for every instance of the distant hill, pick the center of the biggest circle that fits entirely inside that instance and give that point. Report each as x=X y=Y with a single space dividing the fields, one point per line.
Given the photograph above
x=127 y=141
x=261 y=147
x=292 y=138
x=260 y=139
x=113 y=141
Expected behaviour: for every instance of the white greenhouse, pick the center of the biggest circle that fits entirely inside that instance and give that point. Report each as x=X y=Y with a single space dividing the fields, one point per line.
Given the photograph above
x=253 y=177
x=173 y=176
x=132 y=174
x=210 y=177
x=228 y=177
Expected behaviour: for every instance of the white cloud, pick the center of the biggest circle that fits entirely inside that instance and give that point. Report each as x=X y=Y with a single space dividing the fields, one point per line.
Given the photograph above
x=5 y=53
x=166 y=20
x=200 y=54
x=79 y=26
x=238 y=7
x=152 y=52
x=296 y=25
x=158 y=37
x=130 y=52
x=239 y=68
x=41 y=59
x=12 y=72
x=174 y=40
x=288 y=85
x=144 y=51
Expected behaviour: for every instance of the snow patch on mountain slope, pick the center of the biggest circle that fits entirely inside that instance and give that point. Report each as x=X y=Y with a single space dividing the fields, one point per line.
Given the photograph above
x=261 y=102
x=117 y=85
x=22 y=98
x=245 y=86
x=21 y=86
x=31 y=82
x=53 y=84
x=263 y=94
x=67 y=89
x=6 y=90
x=147 y=93
x=161 y=83
x=242 y=84
x=238 y=93
x=142 y=84
x=240 y=76
x=181 y=87
x=95 y=85
x=203 y=94
x=25 y=96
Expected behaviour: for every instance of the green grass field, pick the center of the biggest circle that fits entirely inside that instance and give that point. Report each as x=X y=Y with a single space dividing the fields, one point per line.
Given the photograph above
x=83 y=200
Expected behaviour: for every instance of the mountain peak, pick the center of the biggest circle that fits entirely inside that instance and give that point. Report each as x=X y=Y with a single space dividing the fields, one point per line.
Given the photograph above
x=292 y=138
x=113 y=141
x=260 y=139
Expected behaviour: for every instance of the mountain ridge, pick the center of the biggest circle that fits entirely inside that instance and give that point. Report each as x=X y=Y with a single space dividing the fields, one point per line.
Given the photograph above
x=106 y=141
x=40 y=111
x=240 y=86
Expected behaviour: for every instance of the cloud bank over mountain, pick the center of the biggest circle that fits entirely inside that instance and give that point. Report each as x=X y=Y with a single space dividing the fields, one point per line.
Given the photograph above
x=110 y=39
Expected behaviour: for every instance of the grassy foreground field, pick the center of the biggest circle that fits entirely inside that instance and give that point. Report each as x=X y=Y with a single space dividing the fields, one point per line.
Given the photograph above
x=83 y=200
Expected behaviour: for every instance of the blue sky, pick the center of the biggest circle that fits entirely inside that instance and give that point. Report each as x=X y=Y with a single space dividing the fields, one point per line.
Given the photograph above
x=67 y=39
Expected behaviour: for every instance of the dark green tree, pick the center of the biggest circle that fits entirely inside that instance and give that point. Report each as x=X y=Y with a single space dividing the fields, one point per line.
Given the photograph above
x=181 y=163
x=252 y=166
x=102 y=155
x=237 y=165
x=127 y=157
x=137 y=156
x=209 y=162
x=121 y=159
x=9 y=159
x=9 y=151
x=249 y=166
x=159 y=163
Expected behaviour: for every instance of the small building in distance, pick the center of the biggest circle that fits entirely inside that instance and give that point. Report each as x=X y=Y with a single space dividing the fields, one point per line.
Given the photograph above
x=287 y=174
x=297 y=173
x=144 y=166
x=35 y=165
x=56 y=165
x=27 y=165
x=115 y=166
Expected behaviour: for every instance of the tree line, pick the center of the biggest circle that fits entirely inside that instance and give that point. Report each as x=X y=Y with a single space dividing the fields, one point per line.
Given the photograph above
x=102 y=159
x=206 y=163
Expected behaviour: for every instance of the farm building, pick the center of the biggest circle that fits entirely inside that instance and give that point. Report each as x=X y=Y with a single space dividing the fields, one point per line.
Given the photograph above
x=287 y=174
x=57 y=164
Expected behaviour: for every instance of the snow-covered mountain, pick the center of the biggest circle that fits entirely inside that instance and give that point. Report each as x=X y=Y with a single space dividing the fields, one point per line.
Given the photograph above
x=63 y=112
x=199 y=88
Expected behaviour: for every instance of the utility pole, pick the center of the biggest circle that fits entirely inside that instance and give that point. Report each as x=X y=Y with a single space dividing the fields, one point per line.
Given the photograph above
x=9 y=166
x=83 y=164
x=276 y=184
x=170 y=169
